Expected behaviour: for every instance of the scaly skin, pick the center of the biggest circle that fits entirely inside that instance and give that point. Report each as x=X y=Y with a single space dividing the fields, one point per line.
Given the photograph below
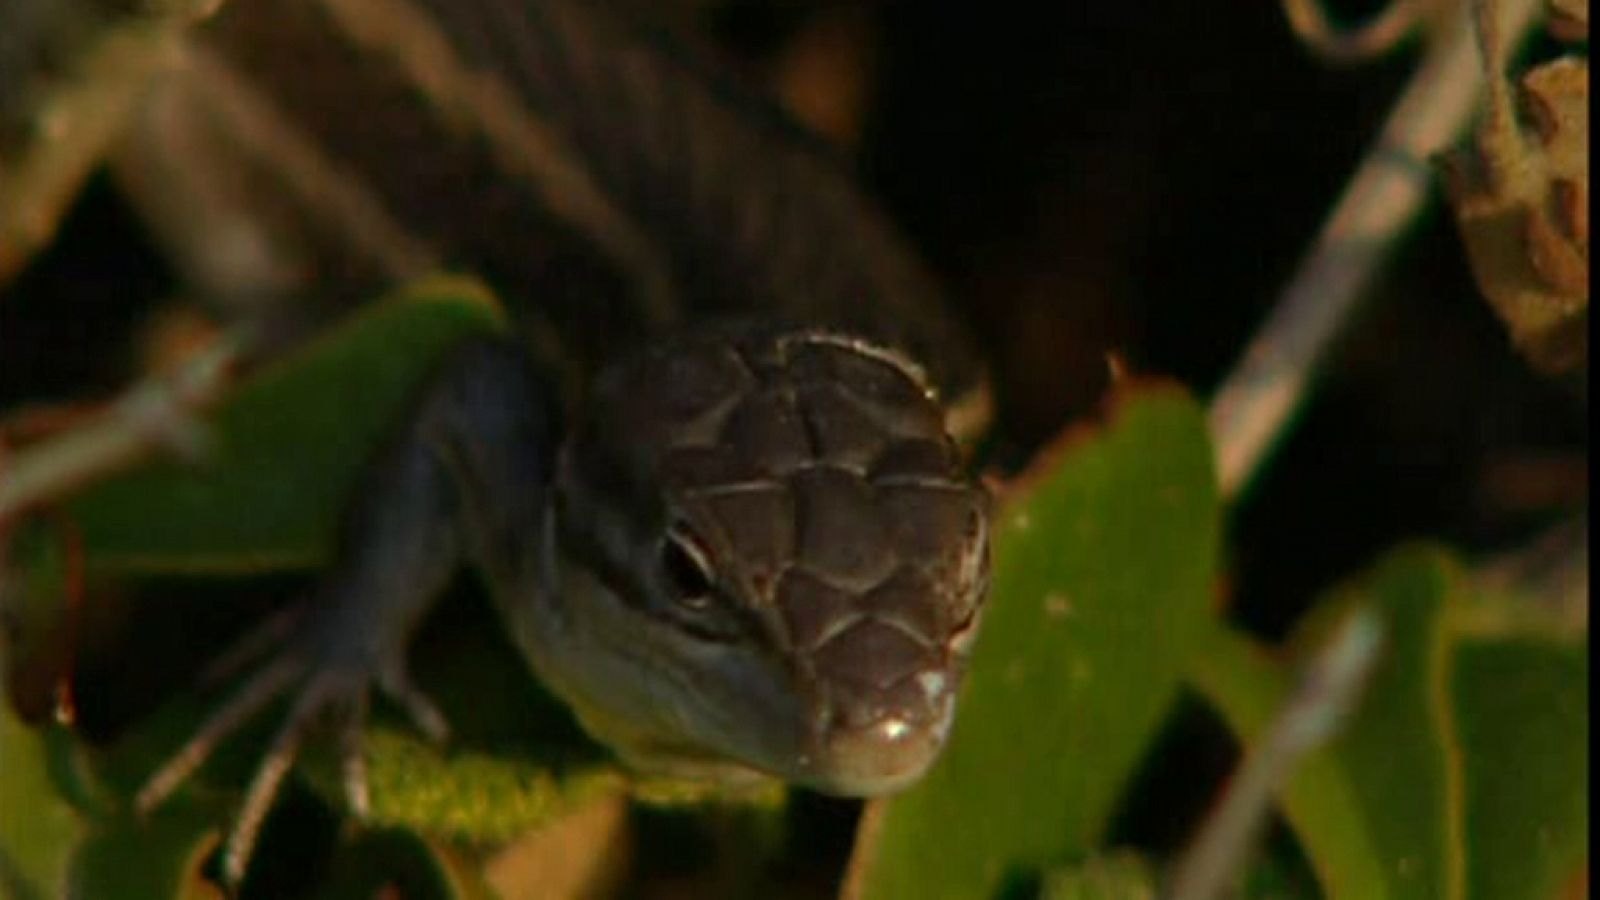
x=714 y=486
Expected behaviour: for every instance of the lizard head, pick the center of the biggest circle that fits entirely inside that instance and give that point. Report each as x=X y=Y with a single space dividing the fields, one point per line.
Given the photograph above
x=769 y=558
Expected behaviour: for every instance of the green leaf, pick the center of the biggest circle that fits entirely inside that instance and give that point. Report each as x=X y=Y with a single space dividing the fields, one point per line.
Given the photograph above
x=1397 y=746
x=1247 y=686
x=57 y=839
x=38 y=827
x=1103 y=569
x=1463 y=771
x=1522 y=710
x=288 y=444
x=158 y=858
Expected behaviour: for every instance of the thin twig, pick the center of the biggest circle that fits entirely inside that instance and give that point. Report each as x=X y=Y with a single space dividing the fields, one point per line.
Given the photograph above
x=1372 y=38
x=1255 y=403
x=158 y=413
x=60 y=123
x=1326 y=696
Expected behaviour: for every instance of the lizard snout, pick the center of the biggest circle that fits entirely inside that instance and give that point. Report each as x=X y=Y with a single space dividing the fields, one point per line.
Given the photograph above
x=884 y=708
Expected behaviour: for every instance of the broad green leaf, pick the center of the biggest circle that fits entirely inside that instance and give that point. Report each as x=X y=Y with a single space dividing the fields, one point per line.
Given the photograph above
x=1103 y=568
x=38 y=632
x=1247 y=686
x=1397 y=747
x=58 y=838
x=158 y=858
x=288 y=444
x=1463 y=770
x=38 y=827
x=1522 y=710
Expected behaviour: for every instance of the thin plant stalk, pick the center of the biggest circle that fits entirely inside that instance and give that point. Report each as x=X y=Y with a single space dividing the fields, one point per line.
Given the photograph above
x=1256 y=403
x=1321 y=705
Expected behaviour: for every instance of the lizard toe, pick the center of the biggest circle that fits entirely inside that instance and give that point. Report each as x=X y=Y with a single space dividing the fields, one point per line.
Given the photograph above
x=396 y=684
x=261 y=689
x=324 y=692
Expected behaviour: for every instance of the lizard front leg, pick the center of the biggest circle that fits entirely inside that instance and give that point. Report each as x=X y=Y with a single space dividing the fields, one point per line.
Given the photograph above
x=464 y=480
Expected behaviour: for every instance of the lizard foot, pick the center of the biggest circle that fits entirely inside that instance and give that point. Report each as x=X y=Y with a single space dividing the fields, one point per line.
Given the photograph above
x=325 y=681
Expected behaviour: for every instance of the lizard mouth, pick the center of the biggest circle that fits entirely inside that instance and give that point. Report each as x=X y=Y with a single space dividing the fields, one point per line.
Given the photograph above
x=882 y=744
x=880 y=731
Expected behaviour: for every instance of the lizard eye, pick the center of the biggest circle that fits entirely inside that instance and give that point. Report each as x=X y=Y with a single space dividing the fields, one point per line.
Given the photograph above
x=687 y=567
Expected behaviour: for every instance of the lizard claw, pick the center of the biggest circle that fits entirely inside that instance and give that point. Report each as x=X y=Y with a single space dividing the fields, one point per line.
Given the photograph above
x=424 y=714
x=320 y=689
x=275 y=766
x=261 y=689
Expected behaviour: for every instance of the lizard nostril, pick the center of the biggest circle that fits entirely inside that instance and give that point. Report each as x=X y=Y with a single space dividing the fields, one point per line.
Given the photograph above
x=964 y=634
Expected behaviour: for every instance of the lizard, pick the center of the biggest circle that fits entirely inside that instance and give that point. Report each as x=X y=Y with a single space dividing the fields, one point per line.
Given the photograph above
x=715 y=483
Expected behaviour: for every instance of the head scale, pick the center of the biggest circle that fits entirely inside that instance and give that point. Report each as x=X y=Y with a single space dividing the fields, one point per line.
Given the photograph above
x=780 y=525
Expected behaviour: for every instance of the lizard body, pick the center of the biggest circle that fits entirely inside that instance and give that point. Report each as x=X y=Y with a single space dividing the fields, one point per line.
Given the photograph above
x=714 y=487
